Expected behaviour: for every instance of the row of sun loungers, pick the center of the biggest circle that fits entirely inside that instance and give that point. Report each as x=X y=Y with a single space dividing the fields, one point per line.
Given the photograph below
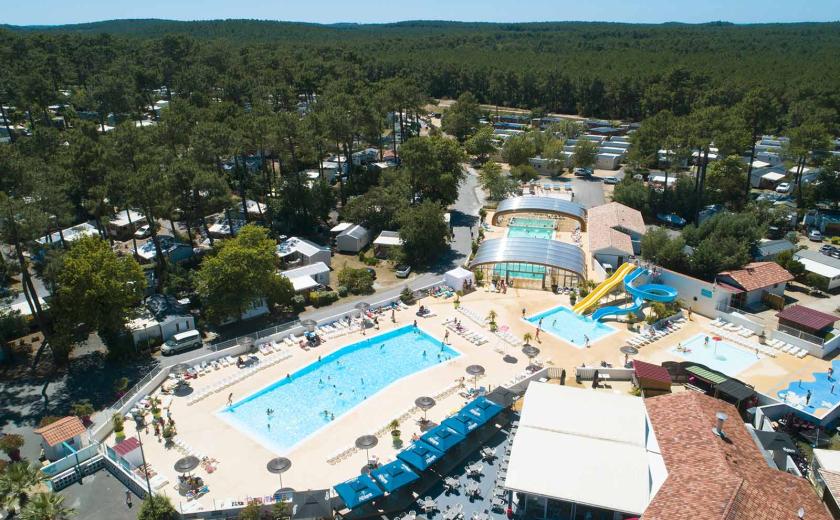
x=507 y=337
x=474 y=316
x=264 y=363
x=739 y=334
x=640 y=340
x=472 y=337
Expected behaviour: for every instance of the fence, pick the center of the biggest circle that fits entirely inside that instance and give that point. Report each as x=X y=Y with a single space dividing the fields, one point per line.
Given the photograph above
x=71 y=460
x=810 y=338
x=739 y=317
x=614 y=373
x=277 y=329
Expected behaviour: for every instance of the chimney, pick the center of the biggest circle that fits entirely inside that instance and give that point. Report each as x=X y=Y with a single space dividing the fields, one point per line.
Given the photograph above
x=718 y=429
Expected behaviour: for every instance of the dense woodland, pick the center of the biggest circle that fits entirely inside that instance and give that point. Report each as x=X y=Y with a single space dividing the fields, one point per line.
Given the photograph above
x=252 y=104
x=595 y=69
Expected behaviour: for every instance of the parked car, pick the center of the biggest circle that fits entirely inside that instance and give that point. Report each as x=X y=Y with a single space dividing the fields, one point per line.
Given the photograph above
x=672 y=219
x=371 y=271
x=402 y=271
x=143 y=231
x=181 y=342
x=815 y=235
x=582 y=172
x=610 y=180
x=827 y=249
x=784 y=187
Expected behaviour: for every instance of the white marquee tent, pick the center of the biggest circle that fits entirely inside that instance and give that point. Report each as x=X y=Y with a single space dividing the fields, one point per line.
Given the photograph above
x=456 y=278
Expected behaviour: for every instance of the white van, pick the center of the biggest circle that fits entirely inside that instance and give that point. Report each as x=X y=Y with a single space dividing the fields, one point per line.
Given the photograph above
x=181 y=342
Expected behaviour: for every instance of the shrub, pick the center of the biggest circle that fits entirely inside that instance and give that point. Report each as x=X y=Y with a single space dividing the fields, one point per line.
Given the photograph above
x=407 y=296
x=11 y=443
x=371 y=260
x=298 y=303
x=361 y=256
x=48 y=420
x=357 y=281
x=835 y=241
x=323 y=298
x=82 y=408
x=343 y=291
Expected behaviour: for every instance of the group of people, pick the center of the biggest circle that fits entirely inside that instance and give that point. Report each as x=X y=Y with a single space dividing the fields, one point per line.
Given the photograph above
x=501 y=286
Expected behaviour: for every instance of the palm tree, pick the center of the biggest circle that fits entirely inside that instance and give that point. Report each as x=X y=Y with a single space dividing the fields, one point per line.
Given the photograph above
x=46 y=506
x=527 y=337
x=15 y=483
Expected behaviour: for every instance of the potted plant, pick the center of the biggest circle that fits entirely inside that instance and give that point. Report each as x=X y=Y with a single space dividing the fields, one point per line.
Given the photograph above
x=491 y=320
x=120 y=386
x=10 y=444
x=156 y=408
x=395 y=433
x=527 y=337
x=573 y=298
x=168 y=433
x=83 y=410
x=457 y=301
x=119 y=428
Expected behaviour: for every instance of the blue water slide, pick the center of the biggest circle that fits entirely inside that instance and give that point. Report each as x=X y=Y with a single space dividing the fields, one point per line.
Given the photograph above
x=641 y=294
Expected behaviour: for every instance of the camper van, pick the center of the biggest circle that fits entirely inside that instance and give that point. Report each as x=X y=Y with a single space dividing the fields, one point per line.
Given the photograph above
x=181 y=342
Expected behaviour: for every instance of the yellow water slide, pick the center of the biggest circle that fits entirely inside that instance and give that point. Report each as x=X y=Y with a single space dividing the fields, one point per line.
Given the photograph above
x=602 y=290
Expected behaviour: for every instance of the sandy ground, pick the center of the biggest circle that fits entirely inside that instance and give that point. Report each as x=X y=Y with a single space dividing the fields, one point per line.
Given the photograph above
x=241 y=471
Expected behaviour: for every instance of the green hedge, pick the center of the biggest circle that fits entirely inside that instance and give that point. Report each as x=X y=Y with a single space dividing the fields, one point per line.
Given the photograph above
x=323 y=298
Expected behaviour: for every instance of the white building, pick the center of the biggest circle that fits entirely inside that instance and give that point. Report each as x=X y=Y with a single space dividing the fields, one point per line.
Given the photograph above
x=161 y=318
x=386 y=241
x=308 y=277
x=297 y=252
x=125 y=223
x=821 y=265
x=71 y=234
x=353 y=239
x=579 y=451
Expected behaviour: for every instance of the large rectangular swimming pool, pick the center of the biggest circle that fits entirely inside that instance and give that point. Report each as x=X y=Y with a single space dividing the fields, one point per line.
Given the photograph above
x=572 y=328
x=314 y=396
x=717 y=355
x=530 y=227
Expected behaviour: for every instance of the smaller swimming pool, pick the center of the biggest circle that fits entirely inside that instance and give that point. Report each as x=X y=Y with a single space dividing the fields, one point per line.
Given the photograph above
x=531 y=227
x=572 y=328
x=717 y=355
x=823 y=392
x=519 y=270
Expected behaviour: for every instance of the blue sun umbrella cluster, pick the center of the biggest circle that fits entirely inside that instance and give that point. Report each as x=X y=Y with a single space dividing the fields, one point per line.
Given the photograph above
x=419 y=456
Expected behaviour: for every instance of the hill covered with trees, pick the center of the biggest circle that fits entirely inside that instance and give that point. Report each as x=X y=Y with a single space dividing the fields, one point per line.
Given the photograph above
x=594 y=69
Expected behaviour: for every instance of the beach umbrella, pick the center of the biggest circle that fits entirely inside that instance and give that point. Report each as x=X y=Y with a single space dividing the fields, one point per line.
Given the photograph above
x=312 y=504
x=475 y=371
x=627 y=349
x=367 y=442
x=716 y=338
x=309 y=324
x=186 y=464
x=180 y=368
x=278 y=466
x=425 y=403
x=531 y=352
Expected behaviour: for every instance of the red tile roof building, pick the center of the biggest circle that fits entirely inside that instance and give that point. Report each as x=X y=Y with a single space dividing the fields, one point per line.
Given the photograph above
x=612 y=227
x=710 y=477
x=61 y=430
x=757 y=275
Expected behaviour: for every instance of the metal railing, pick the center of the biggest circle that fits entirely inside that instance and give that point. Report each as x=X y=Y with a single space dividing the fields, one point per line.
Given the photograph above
x=758 y=320
x=810 y=338
x=264 y=333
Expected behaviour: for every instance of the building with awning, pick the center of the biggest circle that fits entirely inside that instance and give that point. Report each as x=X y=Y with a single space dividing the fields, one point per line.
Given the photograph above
x=461 y=423
x=481 y=410
x=824 y=266
x=718 y=385
x=756 y=280
x=308 y=277
x=385 y=242
x=603 y=440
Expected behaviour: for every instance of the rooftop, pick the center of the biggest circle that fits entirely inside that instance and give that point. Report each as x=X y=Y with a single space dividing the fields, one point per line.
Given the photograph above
x=595 y=431
x=307 y=270
x=773 y=247
x=807 y=318
x=552 y=253
x=608 y=224
x=61 y=430
x=817 y=257
x=650 y=371
x=299 y=245
x=355 y=231
x=758 y=275
x=388 y=238
x=714 y=478
x=122 y=218
x=127 y=446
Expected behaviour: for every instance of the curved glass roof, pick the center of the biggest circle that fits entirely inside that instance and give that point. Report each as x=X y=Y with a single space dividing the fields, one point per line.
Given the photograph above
x=550 y=253
x=537 y=203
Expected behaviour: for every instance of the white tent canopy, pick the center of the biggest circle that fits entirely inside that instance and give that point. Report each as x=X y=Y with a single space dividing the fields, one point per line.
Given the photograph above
x=303 y=283
x=773 y=176
x=604 y=440
x=457 y=277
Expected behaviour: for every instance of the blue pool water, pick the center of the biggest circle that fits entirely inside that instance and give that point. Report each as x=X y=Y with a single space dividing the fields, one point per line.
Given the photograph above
x=563 y=323
x=530 y=227
x=337 y=383
x=821 y=391
x=717 y=355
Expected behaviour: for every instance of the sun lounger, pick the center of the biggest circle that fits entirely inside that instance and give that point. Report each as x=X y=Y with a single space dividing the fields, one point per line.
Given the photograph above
x=802 y=353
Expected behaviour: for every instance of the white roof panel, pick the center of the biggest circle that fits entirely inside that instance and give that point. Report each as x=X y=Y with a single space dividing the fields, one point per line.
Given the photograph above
x=773 y=176
x=302 y=283
x=341 y=226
